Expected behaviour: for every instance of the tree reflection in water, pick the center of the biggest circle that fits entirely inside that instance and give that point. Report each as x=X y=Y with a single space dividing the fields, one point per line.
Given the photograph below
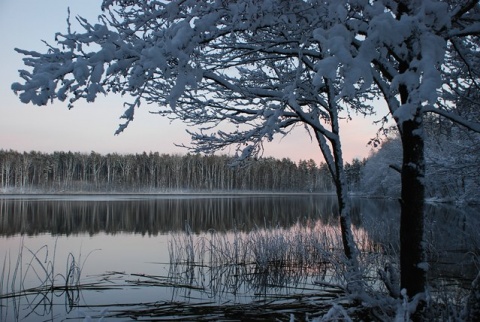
x=241 y=247
x=157 y=215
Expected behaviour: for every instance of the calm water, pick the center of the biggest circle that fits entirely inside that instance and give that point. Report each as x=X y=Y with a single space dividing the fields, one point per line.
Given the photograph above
x=120 y=239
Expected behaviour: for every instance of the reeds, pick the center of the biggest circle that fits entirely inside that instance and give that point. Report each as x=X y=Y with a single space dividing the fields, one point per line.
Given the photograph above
x=297 y=246
x=234 y=275
x=261 y=261
x=33 y=278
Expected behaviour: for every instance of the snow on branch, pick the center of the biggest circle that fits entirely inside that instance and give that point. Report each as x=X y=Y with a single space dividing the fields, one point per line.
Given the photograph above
x=265 y=64
x=473 y=126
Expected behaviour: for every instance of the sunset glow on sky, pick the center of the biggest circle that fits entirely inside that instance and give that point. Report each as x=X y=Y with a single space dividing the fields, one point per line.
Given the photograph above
x=91 y=126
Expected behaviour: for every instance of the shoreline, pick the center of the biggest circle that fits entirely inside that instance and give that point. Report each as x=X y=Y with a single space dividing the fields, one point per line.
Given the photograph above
x=154 y=195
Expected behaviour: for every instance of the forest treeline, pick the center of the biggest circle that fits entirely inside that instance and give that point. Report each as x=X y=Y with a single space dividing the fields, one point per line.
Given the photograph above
x=154 y=172
x=452 y=171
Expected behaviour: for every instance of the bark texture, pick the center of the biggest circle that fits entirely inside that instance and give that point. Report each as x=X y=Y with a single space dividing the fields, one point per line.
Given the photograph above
x=413 y=264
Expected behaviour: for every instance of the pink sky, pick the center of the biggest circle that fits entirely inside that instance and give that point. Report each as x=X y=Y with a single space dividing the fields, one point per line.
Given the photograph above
x=90 y=127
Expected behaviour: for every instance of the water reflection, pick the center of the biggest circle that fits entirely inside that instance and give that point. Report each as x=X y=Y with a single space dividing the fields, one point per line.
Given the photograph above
x=120 y=226
x=448 y=228
x=154 y=216
x=451 y=234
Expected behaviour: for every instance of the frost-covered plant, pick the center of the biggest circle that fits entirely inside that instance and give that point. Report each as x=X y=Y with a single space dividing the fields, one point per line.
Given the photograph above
x=271 y=256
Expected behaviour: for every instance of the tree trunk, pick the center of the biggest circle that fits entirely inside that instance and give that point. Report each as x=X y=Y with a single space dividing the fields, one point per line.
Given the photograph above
x=348 y=241
x=354 y=278
x=412 y=254
x=334 y=161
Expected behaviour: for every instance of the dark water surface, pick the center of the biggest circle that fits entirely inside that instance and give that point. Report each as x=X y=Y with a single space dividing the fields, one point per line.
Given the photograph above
x=129 y=235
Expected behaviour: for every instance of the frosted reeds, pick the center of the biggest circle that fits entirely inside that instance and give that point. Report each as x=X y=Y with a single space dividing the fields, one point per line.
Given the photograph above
x=261 y=260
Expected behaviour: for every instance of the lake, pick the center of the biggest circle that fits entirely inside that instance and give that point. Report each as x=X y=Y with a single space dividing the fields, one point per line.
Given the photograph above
x=112 y=255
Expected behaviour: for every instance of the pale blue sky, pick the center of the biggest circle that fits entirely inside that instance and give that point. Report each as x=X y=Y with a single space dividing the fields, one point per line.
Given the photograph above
x=90 y=127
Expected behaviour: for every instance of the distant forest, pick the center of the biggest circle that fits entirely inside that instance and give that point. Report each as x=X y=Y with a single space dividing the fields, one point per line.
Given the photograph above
x=451 y=176
x=154 y=172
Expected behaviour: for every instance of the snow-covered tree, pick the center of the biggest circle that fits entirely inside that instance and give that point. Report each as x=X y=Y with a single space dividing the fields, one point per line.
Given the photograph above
x=267 y=66
x=252 y=64
x=353 y=172
x=379 y=177
x=452 y=161
x=408 y=50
